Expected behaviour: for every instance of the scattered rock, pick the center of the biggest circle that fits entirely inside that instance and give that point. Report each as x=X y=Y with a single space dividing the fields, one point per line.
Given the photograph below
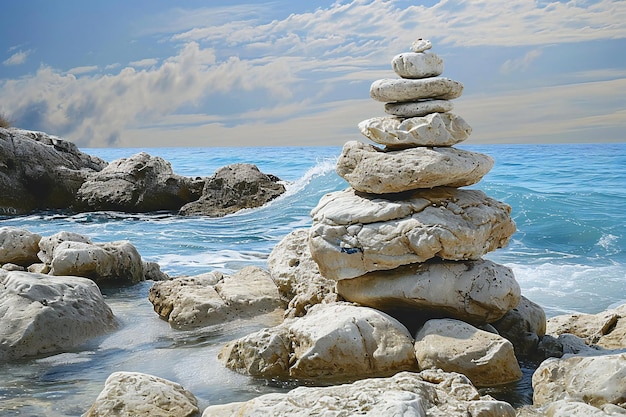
x=18 y=246
x=606 y=329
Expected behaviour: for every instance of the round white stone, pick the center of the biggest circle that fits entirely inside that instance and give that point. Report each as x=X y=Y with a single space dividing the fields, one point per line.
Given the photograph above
x=421 y=45
x=402 y=89
x=417 y=65
x=418 y=108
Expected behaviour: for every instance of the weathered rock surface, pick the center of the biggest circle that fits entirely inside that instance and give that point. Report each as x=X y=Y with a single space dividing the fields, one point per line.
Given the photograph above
x=232 y=188
x=297 y=276
x=428 y=393
x=595 y=380
x=372 y=170
x=417 y=64
x=214 y=298
x=141 y=183
x=476 y=291
x=45 y=314
x=48 y=244
x=401 y=89
x=435 y=129
x=18 y=246
x=566 y=408
x=353 y=233
x=421 y=45
x=523 y=326
x=128 y=394
x=39 y=171
x=487 y=359
x=418 y=108
x=331 y=341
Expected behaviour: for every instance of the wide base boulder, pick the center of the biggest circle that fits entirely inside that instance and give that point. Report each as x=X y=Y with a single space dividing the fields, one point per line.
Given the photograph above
x=43 y=314
x=428 y=393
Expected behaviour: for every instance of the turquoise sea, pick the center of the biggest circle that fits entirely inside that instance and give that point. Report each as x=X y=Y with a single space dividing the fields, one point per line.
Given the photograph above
x=568 y=255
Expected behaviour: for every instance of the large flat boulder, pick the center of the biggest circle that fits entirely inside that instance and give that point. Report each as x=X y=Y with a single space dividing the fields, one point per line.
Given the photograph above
x=418 y=108
x=402 y=89
x=476 y=291
x=428 y=393
x=369 y=169
x=354 y=233
x=43 y=314
x=332 y=341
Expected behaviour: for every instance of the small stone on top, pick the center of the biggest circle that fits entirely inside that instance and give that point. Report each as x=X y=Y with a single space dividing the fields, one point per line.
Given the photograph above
x=421 y=45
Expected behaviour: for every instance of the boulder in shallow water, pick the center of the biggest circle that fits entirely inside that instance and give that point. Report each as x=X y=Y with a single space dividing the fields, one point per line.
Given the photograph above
x=44 y=314
x=18 y=246
x=428 y=393
x=606 y=328
x=137 y=394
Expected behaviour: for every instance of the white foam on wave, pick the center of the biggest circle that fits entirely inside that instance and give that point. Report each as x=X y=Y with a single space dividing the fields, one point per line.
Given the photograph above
x=323 y=167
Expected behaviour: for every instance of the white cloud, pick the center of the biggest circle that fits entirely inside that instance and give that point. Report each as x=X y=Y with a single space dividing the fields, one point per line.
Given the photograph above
x=83 y=70
x=148 y=62
x=17 y=58
x=521 y=64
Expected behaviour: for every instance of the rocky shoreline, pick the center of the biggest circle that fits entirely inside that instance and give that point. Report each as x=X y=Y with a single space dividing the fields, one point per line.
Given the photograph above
x=385 y=304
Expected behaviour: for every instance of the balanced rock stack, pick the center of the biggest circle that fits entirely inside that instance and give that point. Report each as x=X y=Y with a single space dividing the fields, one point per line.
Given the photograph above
x=404 y=238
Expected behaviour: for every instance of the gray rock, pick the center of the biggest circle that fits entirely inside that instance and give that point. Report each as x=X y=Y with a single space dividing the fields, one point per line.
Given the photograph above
x=18 y=246
x=141 y=183
x=523 y=326
x=418 y=108
x=232 y=188
x=44 y=314
x=401 y=89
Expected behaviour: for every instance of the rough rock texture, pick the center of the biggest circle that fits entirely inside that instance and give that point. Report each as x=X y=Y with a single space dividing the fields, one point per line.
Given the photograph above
x=141 y=183
x=487 y=359
x=476 y=291
x=127 y=394
x=18 y=246
x=232 y=188
x=401 y=89
x=523 y=326
x=417 y=65
x=373 y=170
x=214 y=298
x=331 y=341
x=434 y=129
x=353 y=233
x=44 y=314
x=428 y=393
x=48 y=244
x=297 y=276
x=595 y=380
x=567 y=408
x=106 y=263
x=418 y=108
x=606 y=329
x=39 y=171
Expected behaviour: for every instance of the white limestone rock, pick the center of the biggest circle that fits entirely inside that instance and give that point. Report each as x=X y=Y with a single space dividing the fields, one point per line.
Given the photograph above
x=137 y=394
x=214 y=298
x=18 y=246
x=435 y=129
x=421 y=45
x=418 y=108
x=297 y=276
x=417 y=65
x=565 y=408
x=595 y=380
x=331 y=341
x=487 y=359
x=523 y=326
x=48 y=244
x=408 y=394
x=43 y=314
x=353 y=234
x=402 y=89
x=373 y=170
x=476 y=291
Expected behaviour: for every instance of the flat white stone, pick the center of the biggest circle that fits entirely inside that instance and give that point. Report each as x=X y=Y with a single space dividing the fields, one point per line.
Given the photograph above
x=401 y=89
x=421 y=45
x=354 y=233
x=417 y=65
x=418 y=108
x=371 y=170
x=477 y=291
x=435 y=129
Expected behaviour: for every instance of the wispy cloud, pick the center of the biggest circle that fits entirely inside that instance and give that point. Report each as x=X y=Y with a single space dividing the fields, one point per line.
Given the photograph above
x=521 y=64
x=17 y=58
x=148 y=62
x=82 y=70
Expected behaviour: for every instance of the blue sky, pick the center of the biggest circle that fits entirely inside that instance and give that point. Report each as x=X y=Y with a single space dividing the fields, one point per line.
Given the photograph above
x=147 y=73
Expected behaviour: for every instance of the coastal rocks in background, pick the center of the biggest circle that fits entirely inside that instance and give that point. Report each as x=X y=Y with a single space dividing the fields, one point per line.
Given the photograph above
x=233 y=188
x=331 y=341
x=434 y=129
x=45 y=314
x=137 y=394
x=354 y=233
x=487 y=359
x=403 y=90
x=405 y=394
x=373 y=170
x=141 y=183
x=39 y=171
x=214 y=298
x=297 y=276
x=523 y=326
x=18 y=246
x=476 y=291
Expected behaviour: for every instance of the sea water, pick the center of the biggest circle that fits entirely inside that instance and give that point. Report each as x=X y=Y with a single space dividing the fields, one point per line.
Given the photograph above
x=568 y=255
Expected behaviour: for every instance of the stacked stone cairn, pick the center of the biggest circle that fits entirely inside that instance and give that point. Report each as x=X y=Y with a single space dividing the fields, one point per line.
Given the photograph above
x=406 y=240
